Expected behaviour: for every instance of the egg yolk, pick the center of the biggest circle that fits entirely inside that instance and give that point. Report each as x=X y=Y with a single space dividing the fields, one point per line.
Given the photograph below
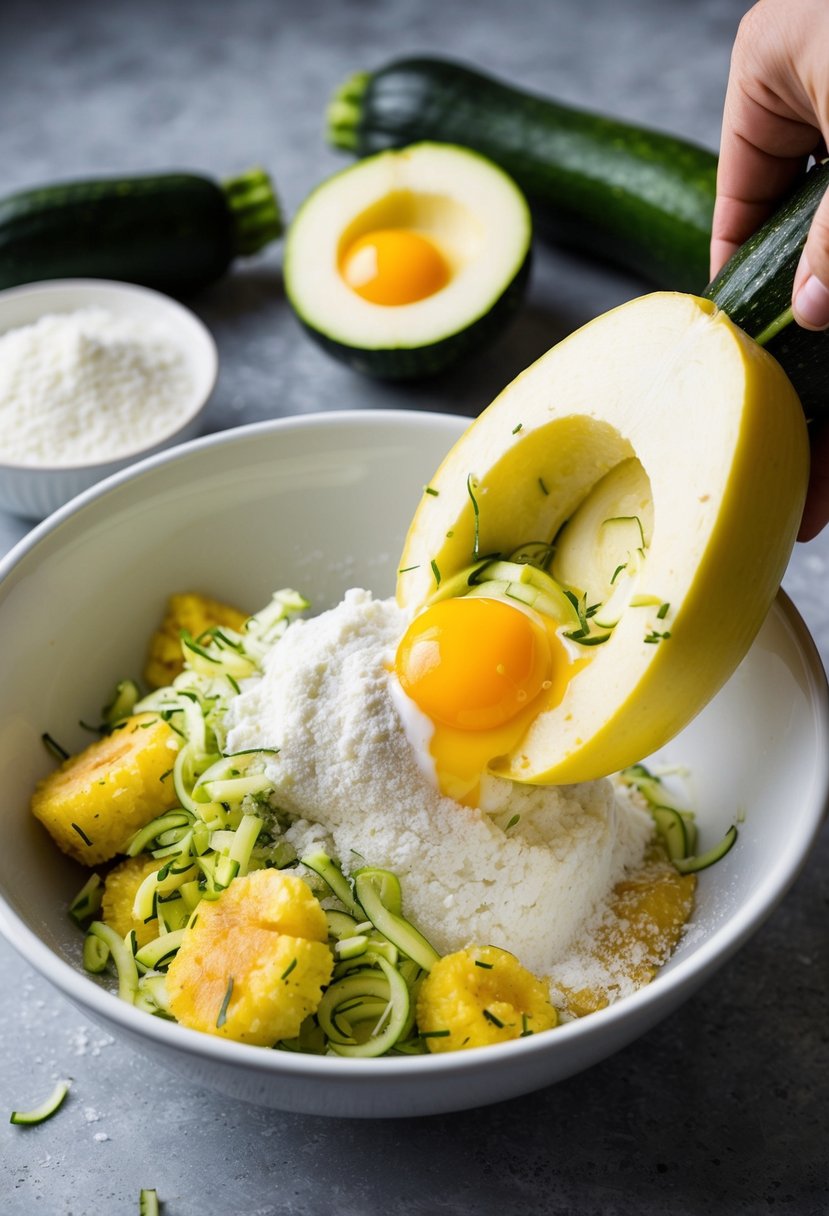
x=393 y=266
x=481 y=671
x=473 y=664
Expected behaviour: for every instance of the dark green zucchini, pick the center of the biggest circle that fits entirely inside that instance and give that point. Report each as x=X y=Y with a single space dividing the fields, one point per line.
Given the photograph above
x=637 y=197
x=176 y=232
x=755 y=289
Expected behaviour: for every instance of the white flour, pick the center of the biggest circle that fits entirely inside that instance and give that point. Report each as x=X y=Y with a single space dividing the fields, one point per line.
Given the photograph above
x=87 y=386
x=349 y=777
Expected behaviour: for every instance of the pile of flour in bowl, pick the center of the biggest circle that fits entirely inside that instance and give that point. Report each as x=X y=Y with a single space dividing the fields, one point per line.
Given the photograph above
x=526 y=872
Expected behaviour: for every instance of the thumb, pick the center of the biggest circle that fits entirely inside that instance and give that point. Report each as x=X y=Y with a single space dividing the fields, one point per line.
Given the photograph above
x=810 y=293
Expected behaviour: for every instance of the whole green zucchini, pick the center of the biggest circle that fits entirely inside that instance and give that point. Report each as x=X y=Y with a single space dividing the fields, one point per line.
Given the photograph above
x=176 y=232
x=755 y=289
x=637 y=197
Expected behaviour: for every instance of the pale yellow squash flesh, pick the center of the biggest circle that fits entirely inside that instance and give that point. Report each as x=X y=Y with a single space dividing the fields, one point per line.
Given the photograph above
x=720 y=433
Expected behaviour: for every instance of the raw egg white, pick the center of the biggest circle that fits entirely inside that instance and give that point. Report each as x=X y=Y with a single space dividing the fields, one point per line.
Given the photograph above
x=479 y=670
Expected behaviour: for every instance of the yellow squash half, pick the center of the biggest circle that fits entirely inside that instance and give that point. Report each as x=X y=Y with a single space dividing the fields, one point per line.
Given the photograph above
x=719 y=431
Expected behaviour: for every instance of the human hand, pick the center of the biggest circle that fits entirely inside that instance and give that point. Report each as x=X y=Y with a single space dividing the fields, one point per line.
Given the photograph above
x=776 y=116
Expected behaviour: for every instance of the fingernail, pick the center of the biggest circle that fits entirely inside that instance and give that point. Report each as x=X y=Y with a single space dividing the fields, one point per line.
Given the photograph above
x=811 y=304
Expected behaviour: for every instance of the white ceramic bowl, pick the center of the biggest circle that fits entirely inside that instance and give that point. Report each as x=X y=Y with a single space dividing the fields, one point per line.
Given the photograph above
x=322 y=502
x=35 y=491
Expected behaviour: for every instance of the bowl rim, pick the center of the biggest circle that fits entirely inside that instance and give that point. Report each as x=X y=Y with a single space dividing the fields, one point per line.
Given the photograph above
x=707 y=957
x=202 y=343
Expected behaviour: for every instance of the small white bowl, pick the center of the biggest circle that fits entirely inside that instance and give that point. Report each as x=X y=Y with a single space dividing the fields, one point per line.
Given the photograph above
x=322 y=503
x=34 y=491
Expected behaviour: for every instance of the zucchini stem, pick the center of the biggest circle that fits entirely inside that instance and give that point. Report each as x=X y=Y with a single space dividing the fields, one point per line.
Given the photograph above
x=774 y=327
x=344 y=112
x=254 y=211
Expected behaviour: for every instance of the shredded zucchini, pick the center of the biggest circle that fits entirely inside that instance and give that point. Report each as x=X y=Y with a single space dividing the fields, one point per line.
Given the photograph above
x=675 y=824
x=45 y=1110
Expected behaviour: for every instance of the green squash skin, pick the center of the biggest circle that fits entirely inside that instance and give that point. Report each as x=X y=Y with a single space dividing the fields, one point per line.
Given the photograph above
x=418 y=362
x=639 y=198
x=755 y=287
x=172 y=232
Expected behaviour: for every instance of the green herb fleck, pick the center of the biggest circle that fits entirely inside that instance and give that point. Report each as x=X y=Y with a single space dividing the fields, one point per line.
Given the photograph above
x=165 y=774
x=429 y=490
x=436 y=572
x=525 y=1029
x=476 y=511
x=408 y=569
x=224 y=640
x=449 y=534
x=512 y=822
x=222 y=1018
x=617 y=572
x=54 y=747
x=663 y=611
x=624 y=519
x=490 y=1017
x=435 y=1034
x=82 y=835
x=655 y=636
x=544 y=489
x=516 y=429
x=484 y=966
x=288 y=969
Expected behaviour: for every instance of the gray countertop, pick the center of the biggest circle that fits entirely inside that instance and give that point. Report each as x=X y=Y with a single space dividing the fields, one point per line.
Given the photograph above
x=719 y=1110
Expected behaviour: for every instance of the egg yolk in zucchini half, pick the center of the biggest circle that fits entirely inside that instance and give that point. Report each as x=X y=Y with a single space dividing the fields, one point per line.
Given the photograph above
x=394 y=266
x=480 y=670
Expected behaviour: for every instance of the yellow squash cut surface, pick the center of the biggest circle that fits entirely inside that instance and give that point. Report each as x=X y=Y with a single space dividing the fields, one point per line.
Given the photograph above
x=481 y=995
x=720 y=434
x=253 y=964
x=97 y=799
x=120 y=888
